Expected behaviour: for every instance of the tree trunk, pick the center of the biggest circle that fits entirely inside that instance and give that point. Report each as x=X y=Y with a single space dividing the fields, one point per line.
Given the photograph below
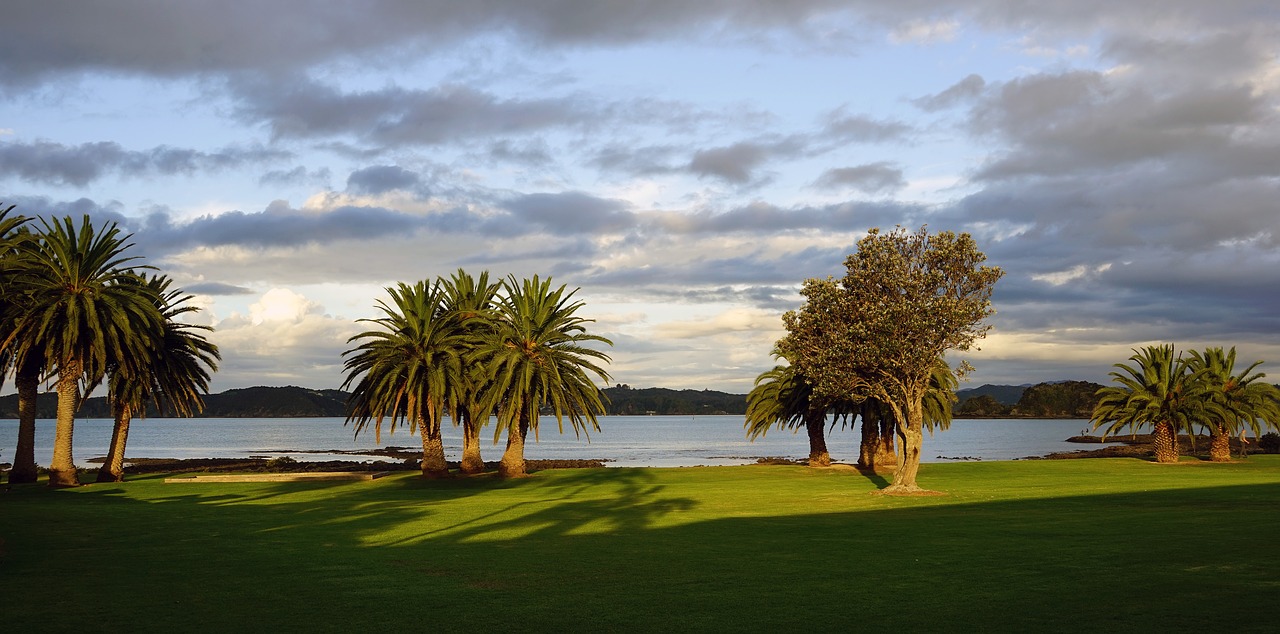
x=870 y=441
x=1220 y=445
x=1166 y=443
x=24 y=458
x=512 y=465
x=814 y=422
x=471 y=460
x=886 y=453
x=62 y=469
x=112 y=469
x=911 y=439
x=433 y=462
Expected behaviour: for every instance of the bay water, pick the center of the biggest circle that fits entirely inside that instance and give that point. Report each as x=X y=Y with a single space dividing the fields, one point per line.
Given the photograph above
x=624 y=441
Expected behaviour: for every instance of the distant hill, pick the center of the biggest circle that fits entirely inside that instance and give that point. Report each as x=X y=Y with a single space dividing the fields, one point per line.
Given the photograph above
x=1007 y=394
x=300 y=402
x=1062 y=399
x=627 y=401
x=1057 y=399
x=252 y=402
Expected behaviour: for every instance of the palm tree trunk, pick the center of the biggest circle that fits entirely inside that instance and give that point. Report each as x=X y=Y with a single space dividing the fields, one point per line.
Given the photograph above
x=24 y=458
x=1220 y=445
x=512 y=465
x=814 y=422
x=867 y=449
x=1166 y=443
x=886 y=452
x=433 y=462
x=112 y=469
x=62 y=469
x=471 y=460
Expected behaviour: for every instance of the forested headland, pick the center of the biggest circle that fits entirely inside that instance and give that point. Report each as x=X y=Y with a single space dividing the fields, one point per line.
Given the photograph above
x=1063 y=399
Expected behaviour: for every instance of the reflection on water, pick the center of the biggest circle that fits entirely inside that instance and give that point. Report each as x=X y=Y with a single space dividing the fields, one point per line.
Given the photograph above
x=624 y=441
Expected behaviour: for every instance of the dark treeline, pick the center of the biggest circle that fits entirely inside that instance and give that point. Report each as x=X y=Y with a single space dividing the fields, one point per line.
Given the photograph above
x=299 y=402
x=627 y=401
x=1066 y=399
x=253 y=402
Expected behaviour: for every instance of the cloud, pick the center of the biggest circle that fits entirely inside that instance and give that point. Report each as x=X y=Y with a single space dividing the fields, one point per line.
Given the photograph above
x=169 y=40
x=398 y=116
x=924 y=32
x=863 y=129
x=380 y=179
x=871 y=178
x=963 y=91
x=734 y=163
x=79 y=165
x=216 y=288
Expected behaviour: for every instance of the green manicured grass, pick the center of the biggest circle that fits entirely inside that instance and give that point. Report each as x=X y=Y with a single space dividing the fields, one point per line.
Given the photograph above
x=1073 y=545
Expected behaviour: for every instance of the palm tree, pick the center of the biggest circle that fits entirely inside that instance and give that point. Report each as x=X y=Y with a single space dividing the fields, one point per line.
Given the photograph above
x=472 y=300
x=1157 y=390
x=26 y=368
x=1234 y=401
x=81 y=312
x=174 y=377
x=782 y=397
x=539 y=357
x=408 y=369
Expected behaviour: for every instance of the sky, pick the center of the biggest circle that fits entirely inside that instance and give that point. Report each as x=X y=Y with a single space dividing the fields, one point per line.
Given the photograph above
x=684 y=165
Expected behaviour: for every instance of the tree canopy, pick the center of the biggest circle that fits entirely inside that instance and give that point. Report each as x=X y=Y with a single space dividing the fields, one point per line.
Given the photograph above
x=907 y=298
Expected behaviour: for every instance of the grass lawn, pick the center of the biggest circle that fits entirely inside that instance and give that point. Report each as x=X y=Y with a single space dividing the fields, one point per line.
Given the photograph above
x=1025 y=546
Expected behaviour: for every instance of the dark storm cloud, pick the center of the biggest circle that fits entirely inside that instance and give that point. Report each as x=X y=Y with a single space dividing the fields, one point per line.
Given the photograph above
x=379 y=179
x=79 y=165
x=1084 y=122
x=872 y=178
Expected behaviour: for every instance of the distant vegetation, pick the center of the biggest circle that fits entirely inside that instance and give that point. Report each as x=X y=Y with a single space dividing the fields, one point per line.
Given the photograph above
x=627 y=401
x=1062 y=399
x=1065 y=399
x=300 y=402
x=252 y=402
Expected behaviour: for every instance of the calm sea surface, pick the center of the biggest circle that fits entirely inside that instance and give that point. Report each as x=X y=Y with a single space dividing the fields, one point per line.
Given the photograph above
x=625 y=441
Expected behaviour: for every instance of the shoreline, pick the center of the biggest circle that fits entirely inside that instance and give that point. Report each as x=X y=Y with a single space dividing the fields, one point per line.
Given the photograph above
x=394 y=458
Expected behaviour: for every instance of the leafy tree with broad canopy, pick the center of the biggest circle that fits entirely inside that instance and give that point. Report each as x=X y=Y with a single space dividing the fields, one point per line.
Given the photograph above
x=906 y=299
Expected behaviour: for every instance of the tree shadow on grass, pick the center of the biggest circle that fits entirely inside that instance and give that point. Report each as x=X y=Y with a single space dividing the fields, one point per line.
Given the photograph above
x=607 y=550
x=875 y=478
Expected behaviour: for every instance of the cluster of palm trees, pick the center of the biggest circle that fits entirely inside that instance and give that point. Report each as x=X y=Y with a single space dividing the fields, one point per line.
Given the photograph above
x=783 y=397
x=77 y=309
x=1174 y=394
x=475 y=350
